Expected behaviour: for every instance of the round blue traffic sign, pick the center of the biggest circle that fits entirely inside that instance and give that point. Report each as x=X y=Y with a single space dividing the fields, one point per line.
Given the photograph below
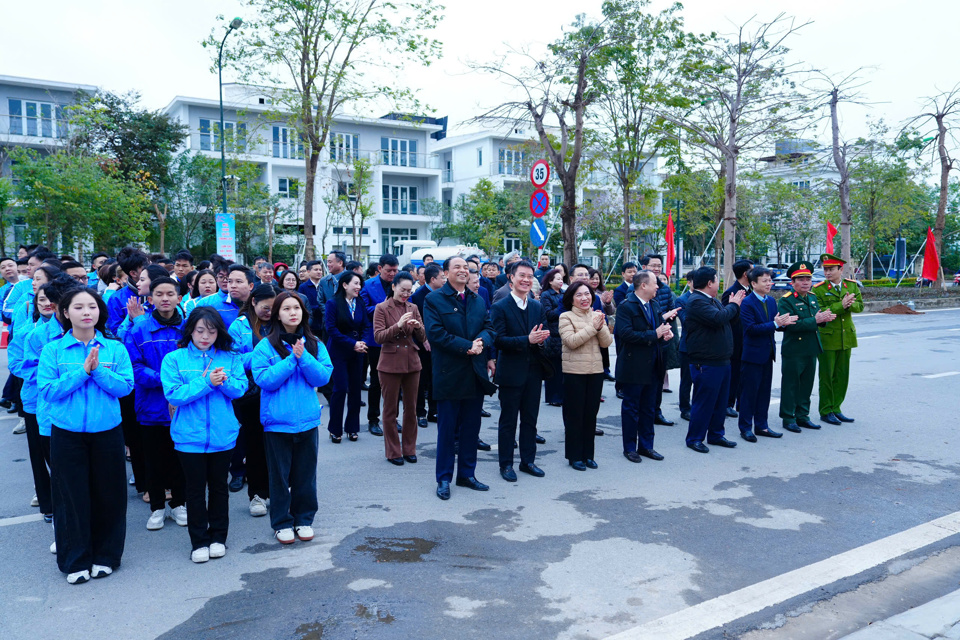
x=539 y=202
x=538 y=232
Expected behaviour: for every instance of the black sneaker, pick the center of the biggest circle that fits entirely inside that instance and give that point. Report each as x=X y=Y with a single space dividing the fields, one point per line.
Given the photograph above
x=236 y=483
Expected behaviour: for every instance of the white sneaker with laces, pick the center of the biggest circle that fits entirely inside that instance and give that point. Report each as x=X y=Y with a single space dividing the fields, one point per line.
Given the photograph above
x=258 y=507
x=155 y=521
x=179 y=515
x=21 y=428
x=200 y=555
x=217 y=550
x=285 y=536
x=78 y=577
x=34 y=502
x=53 y=547
x=304 y=533
x=100 y=571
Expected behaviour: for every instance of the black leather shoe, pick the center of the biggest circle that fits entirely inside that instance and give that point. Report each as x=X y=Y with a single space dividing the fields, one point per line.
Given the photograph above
x=668 y=390
x=769 y=433
x=482 y=446
x=590 y=464
x=632 y=456
x=792 y=427
x=685 y=415
x=508 y=474
x=540 y=439
x=748 y=436
x=722 y=442
x=532 y=469
x=649 y=453
x=236 y=483
x=335 y=439
x=362 y=403
x=13 y=408
x=6 y=404
x=699 y=447
x=841 y=417
x=609 y=378
x=443 y=490
x=484 y=413
x=620 y=395
x=365 y=386
x=432 y=418
x=555 y=404
x=422 y=423
x=830 y=419
x=375 y=429
x=806 y=424
x=411 y=459
x=396 y=461
x=579 y=466
x=732 y=413
x=598 y=432
x=660 y=419
x=472 y=483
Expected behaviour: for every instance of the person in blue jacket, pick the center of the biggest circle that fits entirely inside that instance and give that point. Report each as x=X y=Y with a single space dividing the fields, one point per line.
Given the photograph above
x=81 y=377
x=132 y=261
x=200 y=381
x=346 y=321
x=288 y=365
x=153 y=336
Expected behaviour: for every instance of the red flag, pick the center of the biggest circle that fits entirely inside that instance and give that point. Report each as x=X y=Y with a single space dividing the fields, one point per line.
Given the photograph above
x=671 y=251
x=931 y=261
x=831 y=232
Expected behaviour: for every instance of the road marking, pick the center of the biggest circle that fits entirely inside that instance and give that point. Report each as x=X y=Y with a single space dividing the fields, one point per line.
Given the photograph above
x=774 y=401
x=957 y=329
x=724 y=609
x=879 y=335
x=6 y=522
x=945 y=374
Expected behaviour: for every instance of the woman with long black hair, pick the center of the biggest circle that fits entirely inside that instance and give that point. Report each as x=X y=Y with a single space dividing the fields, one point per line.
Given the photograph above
x=346 y=319
x=204 y=284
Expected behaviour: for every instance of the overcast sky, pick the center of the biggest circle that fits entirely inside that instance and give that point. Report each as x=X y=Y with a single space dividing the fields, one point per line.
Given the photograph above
x=154 y=47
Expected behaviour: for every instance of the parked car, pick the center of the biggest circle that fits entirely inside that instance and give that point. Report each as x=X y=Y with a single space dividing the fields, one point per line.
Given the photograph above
x=778 y=268
x=782 y=283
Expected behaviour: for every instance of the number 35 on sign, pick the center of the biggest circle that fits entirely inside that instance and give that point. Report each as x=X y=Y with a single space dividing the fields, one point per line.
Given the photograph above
x=540 y=173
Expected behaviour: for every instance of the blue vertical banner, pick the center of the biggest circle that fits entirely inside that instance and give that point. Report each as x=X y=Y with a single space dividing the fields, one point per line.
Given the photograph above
x=227 y=235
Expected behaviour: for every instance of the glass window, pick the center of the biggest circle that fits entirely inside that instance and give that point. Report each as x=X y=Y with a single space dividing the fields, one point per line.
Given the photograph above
x=344 y=147
x=479 y=156
x=398 y=152
x=205 y=137
x=61 y=123
x=287 y=143
x=46 y=120
x=400 y=200
x=511 y=162
x=32 y=119
x=16 y=117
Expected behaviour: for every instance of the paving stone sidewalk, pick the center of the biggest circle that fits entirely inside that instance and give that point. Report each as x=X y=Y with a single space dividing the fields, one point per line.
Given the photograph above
x=938 y=618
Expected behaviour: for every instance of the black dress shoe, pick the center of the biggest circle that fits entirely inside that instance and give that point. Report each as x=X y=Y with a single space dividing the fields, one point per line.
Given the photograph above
x=362 y=403
x=432 y=418
x=508 y=474
x=365 y=386
x=632 y=456
x=769 y=433
x=668 y=390
x=472 y=483
x=732 y=413
x=722 y=442
x=484 y=413
x=411 y=459
x=236 y=483
x=422 y=423
x=792 y=427
x=396 y=461
x=620 y=395
x=699 y=447
x=482 y=446
x=748 y=436
x=830 y=419
x=13 y=408
x=352 y=437
x=555 y=404
x=579 y=466
x=598 y=432
x=532 y=469
x=841 y=417
x=590 y=464
x=443 y=490
x=5 y=403
x=806 y=424
x=650 y=453
x=335 y=439
x=660 y=419
x=375 y=429
x=685 y=415
x=540 y=439
x=609 y=378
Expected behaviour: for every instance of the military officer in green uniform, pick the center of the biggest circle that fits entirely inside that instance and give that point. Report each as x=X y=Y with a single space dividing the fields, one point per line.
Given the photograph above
x=838 y=337
x=801 y=347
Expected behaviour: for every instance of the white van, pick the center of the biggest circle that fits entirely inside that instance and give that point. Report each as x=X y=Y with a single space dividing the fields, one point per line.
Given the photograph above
x=412 y=251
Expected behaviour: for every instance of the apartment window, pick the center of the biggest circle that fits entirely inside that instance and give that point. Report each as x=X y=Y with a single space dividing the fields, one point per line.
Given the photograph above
x=287 y=143
x=346 y=189
x=344 y=147
x=398 y=152
x=236 y=135
x=479 y=156
x=511 y=162
x=289 y=188
x=37 y=119
x=801 y=184
x=512 y=244
x=400 y=200
x=391 y=236
x=339 y=231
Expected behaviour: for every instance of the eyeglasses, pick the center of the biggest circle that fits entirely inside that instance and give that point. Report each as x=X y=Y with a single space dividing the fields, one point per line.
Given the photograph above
x=81 y=279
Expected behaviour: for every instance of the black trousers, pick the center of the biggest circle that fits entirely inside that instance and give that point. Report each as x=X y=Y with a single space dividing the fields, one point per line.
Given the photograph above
x=686 y=382
x=39 y=447
x=163 y=468
x=522 y=401
x=553 y=386
x=247 y=410
x=8 y=388
x=133 y=439
x=581 y=403
x=347 y=382
x=292 y=460
x=88 y=478
x=425 y=404
x=373 y=396
x=733 y=395
x=208 y=517
x=17 y=387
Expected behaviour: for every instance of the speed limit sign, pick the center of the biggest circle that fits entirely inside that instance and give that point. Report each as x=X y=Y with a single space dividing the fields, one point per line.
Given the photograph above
x=540 y=173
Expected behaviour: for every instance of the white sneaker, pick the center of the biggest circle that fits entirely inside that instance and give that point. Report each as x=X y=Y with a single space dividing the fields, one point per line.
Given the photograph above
x=179 y=515
x=217 y=550
x=34 y=502
x=100 y=571
x=155 y=521
x=53 y=547
x=78 y=577
x=258 y=507
x=200 y=555
x=21 y=428
x=304 y=533
x=285 y=536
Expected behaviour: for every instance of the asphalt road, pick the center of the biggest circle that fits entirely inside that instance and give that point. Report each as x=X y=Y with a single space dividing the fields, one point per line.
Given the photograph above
x=572 y=555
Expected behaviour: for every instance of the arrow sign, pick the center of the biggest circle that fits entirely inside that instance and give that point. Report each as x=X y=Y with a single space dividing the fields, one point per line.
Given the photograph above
x=538 y=232
x=539 y=202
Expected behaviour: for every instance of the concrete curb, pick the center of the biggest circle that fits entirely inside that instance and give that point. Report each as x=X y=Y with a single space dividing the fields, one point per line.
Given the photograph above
x=938 y=618
x=873 y=306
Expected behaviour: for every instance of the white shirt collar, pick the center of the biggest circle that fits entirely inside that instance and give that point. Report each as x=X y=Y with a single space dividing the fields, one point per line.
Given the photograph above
x=521 y=302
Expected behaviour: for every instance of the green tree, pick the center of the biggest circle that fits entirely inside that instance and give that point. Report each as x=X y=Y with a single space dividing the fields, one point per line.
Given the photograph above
x=695 y=196
x=353 y=202
x=6 y=205
x=487 y=215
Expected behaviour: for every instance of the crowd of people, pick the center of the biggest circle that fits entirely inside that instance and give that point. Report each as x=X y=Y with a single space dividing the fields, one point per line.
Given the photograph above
x=207 y=377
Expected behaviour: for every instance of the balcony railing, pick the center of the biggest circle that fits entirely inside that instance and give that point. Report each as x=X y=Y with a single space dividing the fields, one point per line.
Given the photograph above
x=448 y=175
x=34 y=127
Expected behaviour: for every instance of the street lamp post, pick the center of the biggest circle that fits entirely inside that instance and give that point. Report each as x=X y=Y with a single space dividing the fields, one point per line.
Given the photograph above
x=234 y=25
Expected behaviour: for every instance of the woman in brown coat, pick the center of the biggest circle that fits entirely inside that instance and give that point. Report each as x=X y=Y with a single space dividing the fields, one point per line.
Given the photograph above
x=396 y=323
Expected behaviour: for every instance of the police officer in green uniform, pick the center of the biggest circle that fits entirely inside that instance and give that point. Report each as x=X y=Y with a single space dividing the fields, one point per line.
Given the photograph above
x=838 y=337
x=800 y=349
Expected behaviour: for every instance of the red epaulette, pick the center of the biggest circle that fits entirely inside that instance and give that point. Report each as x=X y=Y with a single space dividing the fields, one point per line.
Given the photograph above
x=796 y=295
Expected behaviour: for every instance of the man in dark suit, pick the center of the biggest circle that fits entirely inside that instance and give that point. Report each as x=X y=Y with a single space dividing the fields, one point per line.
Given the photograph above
x=433 y=279
x=640 y=331
x=376 y=290
x=740 y=269
x=518 y=321
x=625 y=288
x=459 y=331
x=760 y=320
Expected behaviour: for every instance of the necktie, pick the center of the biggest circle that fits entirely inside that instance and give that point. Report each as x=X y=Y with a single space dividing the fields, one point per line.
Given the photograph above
x=463 y=297
x=766 y=313
x=649 y=311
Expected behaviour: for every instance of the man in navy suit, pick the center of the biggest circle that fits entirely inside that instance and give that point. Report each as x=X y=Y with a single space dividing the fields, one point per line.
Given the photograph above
x=433 y=279
x=518 y=321
x=459 y=331
x=760 y=320
x=376 y=290
x=625 y=288
x=640 y=331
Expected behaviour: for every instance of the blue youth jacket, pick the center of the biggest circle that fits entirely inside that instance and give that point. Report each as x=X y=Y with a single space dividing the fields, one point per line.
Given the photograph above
x=44 y=331
x=117 y=308
x=288 y=395
x=223 y=303
x=148 y=342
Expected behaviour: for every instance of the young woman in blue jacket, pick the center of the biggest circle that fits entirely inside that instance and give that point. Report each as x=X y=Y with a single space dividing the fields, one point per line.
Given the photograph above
x=81 y=377
x=346 y=319
x=289 y=364
x=200 y=380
